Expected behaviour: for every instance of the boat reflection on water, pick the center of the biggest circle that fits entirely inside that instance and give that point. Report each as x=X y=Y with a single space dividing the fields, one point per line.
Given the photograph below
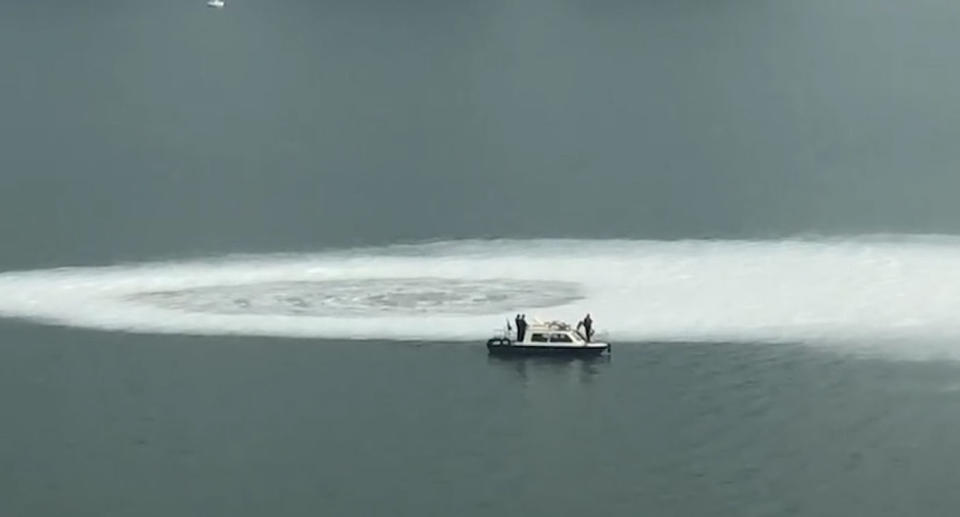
x=583 y=369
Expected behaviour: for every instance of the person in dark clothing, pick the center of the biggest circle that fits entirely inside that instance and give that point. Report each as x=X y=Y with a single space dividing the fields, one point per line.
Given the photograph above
x=587 y=325
x=516 y=320
x=522 y=326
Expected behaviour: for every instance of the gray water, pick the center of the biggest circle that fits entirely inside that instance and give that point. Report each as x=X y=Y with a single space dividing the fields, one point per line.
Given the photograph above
x=164 y=131
x=108 y=424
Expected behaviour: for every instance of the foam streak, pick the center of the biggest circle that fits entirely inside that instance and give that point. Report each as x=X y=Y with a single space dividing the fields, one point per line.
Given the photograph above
x=814 y=291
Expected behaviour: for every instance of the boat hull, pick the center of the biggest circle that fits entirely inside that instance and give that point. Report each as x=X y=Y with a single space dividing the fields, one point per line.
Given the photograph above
x=504 y=347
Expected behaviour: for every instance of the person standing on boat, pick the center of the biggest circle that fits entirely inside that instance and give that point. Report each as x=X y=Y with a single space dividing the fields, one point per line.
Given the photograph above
x=522 y=327
x=587 y=325
x=516 y=320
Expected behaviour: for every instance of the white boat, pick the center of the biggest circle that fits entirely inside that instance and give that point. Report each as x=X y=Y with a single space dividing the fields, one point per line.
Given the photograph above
x=551 y=337
x=215 y=3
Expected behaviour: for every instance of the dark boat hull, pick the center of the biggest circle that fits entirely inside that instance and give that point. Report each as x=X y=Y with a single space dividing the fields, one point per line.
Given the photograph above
x=505 y=347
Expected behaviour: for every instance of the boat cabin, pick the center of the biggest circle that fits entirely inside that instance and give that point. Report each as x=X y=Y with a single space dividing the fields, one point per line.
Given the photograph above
x=551 y=332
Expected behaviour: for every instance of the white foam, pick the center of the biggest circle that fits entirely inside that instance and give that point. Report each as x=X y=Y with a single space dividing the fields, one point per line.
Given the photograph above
x=869 y=291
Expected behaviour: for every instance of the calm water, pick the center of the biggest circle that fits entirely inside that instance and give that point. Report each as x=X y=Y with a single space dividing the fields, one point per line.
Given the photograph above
x=108 y=424
x=139 y=131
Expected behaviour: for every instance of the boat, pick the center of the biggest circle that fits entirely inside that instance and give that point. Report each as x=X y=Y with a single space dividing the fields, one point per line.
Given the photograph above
x=550 y=337
x=215 y=3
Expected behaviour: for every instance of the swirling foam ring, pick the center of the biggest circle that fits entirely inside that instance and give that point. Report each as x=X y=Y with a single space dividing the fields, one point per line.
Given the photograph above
x=366 y=297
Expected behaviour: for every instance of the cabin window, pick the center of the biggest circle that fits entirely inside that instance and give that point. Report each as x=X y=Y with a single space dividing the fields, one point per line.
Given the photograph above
x=539 y=338
x=562 y=338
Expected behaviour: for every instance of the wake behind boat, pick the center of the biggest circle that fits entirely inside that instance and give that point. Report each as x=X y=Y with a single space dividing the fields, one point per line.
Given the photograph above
x=551 y=337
